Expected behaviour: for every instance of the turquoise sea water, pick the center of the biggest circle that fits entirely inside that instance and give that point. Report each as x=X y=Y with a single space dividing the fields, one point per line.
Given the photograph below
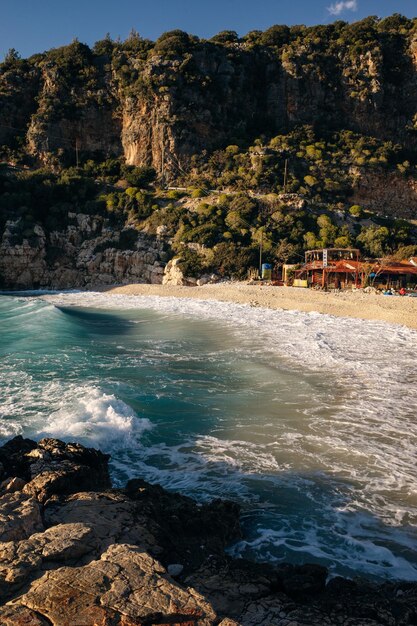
x=308 y=421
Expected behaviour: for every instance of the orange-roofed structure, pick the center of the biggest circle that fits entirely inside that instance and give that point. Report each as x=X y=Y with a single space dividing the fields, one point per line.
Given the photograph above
x=335 y=268
x=396 y=274
x=342 y=268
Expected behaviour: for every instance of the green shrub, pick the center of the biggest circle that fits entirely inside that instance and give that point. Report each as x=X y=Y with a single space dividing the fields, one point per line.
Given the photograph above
x=197 y=193
x=356 y=211
x=191 y=263
x=174 y=43
x=174 y=194
x=140 y=177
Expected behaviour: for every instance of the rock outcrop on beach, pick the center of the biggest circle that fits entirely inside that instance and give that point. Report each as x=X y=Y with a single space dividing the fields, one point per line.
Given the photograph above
x=76 y=552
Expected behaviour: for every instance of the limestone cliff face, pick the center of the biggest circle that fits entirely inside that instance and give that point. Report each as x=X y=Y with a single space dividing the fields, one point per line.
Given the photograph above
x=19 y=88
x=147 y=138
x=161 y=108
x=73 y=118
x=86 y=254
x=386 y=194
x=197 y=103
x=97 y=131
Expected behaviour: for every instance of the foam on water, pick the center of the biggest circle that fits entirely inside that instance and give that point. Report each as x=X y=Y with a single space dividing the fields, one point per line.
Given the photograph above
x=332 y=481
x=78 y=412
x=374 y=361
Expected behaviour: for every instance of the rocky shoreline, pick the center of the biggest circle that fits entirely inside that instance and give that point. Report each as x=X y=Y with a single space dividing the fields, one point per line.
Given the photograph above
x=76 y=552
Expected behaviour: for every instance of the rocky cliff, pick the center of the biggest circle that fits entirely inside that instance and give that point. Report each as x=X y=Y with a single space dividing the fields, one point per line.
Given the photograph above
x=386 y=194
x=74 y=551
x=87 y=253
x=161 y=103
x=91 y=139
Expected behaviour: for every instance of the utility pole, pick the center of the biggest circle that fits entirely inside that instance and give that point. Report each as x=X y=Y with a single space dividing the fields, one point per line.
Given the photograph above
x=260 y=253
x=163 y=161
x=285 y=175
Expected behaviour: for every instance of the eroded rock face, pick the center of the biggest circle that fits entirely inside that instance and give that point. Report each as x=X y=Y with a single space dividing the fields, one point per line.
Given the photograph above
x=386 y=194
x=162 y=108
x=125 y=586
x=86 y=254
x=142 y=556
x=20 y=516
x=46 y=465
x=29 y=558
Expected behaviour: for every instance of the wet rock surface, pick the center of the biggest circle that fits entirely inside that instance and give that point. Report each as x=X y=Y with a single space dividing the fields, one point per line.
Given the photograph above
x=75 y=552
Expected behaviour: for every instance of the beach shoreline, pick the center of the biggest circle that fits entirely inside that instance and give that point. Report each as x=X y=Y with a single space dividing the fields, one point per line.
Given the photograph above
x=353 y=304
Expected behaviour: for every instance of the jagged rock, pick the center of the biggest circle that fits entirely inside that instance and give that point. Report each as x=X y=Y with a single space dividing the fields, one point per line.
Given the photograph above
x=28 y=558
x=278 y=610
x=59 y=468
x=10 y=485
x=126 y=586
x=85 y=254
x=171 y=527
x=114 y=517
x=187 y=533
x=95 y=564
x=20 y=517
x=21 y=616
x=231 y=585
x=173 y=275
x=66 y=478
x=24 y=455
x=53 y=467
x=302 y=579
x=12 y=457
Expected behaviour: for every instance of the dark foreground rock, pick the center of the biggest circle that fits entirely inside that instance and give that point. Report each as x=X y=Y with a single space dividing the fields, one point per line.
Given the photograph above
x=75 y=552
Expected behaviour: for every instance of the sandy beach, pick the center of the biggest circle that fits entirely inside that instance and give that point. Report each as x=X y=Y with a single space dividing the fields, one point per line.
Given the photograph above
x=392 y=309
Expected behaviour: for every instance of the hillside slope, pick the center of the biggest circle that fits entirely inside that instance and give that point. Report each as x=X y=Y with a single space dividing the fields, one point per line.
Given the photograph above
x=308 y=136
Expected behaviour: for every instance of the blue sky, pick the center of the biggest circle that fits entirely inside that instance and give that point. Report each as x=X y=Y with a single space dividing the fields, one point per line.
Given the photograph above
x=35 y=25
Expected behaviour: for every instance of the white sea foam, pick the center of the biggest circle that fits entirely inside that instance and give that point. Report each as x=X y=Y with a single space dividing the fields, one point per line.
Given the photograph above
x=350 y=455
x=374 y=362
x=97 y=417
x=75 y=412
x=347 y=549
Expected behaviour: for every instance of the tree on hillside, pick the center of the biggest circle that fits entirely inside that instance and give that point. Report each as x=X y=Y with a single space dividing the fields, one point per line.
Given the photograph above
x=12 y=57
x=226 y=37
x=374 y=240
x=104 y=47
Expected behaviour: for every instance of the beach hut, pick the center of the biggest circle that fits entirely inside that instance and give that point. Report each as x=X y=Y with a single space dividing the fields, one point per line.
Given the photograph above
x=342 y=268
x=332 y=268
x=391 y=274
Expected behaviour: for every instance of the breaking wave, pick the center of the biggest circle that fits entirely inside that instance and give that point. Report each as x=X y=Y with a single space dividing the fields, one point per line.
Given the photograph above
x=307 y=420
